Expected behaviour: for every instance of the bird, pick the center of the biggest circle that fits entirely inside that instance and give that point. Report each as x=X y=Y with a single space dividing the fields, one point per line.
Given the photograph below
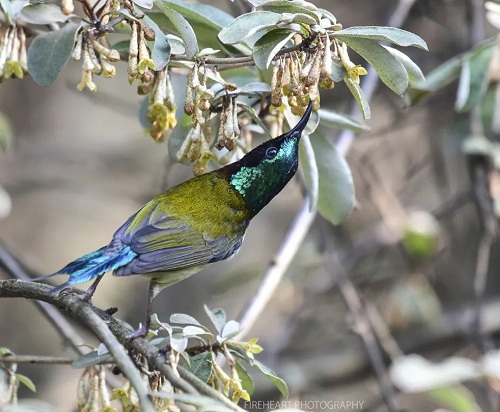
x=200 y=221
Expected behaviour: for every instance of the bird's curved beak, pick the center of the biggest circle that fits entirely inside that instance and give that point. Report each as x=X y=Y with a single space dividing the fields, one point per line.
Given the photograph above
x=300 y=126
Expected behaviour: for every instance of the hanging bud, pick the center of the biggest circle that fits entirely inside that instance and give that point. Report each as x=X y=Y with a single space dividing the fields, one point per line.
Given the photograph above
x=236 y=125
x=149 y=33
x=110 y=54
x=145 y=61
x=67 y=7
x=86 y=82
x=276 y=90
x=87 y=64
x=315 y=71
x=77 y=51
x=133 y=52
x=189 y=104
x=220 y=136
x=326 y=67
x=108 y=69
x=95 y=61
x=229 y=127
x=306 y=66
x=23 y=56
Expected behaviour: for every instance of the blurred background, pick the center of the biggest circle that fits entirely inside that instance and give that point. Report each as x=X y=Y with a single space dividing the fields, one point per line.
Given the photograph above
x=81 y=165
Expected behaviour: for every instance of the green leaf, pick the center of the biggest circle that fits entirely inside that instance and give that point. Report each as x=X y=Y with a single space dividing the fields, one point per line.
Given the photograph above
x=343 y=121
x=278 y=382
x=309 y=167
x=26 y=382
x=360 y=98
x=207 y=21
x=456 y=398
x=147 y=4
x=183 y=319
x=230 y=329
x=254 y=88
x=7 y=9
x=161 y=47
x=43 y=14
x=301 y=18
x=217 y=316
x=336 y=186
x=464 y=88
x=338 y=70
x=245 y=378
x=201 y=365
x=5 y=351
x=49 y=53
x=391 y=34
x=268 y=45
x=389 y=68
x=182 y=27
x=194 y=331
x=90 y=359
x=414 y=72
x=6 y=135
x=478 y=62
x=292 y=7
x=253 y=115
x=248 y=24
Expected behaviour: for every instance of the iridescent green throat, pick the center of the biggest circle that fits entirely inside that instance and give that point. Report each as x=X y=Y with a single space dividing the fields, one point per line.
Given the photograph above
x=265 y=171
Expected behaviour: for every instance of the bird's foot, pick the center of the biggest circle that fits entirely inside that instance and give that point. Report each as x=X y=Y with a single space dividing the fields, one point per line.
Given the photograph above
x=139 y=333
x=85 y=296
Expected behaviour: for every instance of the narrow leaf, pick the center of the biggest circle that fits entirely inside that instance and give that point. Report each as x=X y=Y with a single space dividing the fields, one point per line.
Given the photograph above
x=49 y=53
x=414 y=72
x=463 y=89
x=90 y=359
x=292 y=7
x=479 y=62
x=182 y=27
x=254 y=88
x=336 y=185
x=26 y=382
x=246 y=379
x=310 y=170
x=389 y=68
x=268 y=45
x=456 y=398
x=253 y=115
x=217 y=316
x=391 y=34
x=192 y=330
x=183 y=319
x=360 y=98
x=278 y=382
x=341 y=121
x=248 y=24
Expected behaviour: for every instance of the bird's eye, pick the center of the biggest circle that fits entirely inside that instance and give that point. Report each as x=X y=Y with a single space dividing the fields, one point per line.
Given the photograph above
x=271 y=152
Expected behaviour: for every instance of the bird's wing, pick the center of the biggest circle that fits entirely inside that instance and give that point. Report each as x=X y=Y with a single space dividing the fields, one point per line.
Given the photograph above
x=165 y=244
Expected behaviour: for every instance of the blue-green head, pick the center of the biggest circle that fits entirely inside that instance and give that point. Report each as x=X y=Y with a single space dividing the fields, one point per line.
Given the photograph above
x=263 y=172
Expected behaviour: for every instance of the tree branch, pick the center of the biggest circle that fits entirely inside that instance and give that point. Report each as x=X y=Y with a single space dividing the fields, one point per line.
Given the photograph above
x=111 y=333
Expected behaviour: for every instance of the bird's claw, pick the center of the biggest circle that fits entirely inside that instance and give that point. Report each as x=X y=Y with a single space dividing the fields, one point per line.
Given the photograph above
x=139 y=333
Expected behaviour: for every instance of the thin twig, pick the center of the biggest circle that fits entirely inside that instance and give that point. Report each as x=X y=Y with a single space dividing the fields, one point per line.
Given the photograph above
x=39 y=360
x=362 y=326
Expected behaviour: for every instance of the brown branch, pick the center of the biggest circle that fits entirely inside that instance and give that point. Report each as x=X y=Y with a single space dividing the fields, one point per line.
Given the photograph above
x=106 y=328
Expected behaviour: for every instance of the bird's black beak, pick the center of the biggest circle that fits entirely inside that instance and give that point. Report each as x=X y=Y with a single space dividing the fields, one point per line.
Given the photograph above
x=300 y=126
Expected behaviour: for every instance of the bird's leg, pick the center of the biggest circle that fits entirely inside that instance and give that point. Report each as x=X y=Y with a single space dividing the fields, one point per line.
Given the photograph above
x=143 y=330
x=86 y=294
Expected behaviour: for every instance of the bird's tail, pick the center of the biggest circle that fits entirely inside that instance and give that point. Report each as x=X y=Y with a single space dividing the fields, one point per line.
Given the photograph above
x=92 y=265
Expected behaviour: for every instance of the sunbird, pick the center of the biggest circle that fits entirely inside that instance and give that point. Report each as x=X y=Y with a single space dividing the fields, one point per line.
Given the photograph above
x=198 y=222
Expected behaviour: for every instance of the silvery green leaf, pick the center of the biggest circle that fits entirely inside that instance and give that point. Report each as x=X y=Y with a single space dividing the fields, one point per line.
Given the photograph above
x=247 y=24
x=49 y=53
x=43 y=14
x=266 y=48
x=391 y=34
x=310 y=170
x=360 y=98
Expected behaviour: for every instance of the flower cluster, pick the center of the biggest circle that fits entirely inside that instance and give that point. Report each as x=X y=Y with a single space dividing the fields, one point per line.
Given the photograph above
x=162 y=108
x=299 y=75
x=13 y=57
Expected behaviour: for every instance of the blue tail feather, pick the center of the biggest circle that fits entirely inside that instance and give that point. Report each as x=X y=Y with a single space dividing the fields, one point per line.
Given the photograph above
x=93 y=264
